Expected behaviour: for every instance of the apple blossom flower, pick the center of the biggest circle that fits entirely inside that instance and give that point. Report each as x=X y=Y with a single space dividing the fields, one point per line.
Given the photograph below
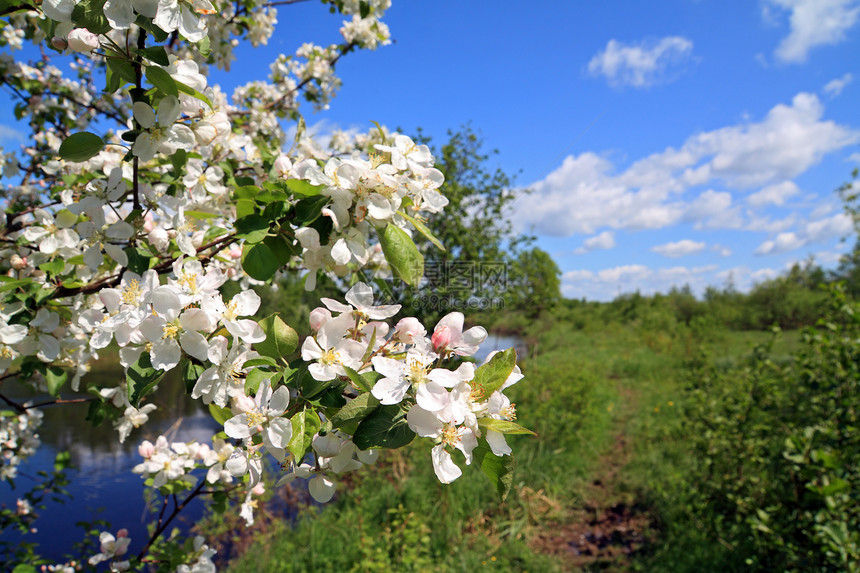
x=266 y=418
x=161 y=134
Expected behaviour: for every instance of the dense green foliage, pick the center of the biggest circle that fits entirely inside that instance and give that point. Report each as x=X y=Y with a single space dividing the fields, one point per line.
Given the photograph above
x=778 y=450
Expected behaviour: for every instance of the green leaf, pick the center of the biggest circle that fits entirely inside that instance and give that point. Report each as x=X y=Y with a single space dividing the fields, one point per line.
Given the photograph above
x=55 y=378
x=157 y=33
x=503 y=426
x=81 y=146
x=138 y=259
x=281 y=339
x=402 y=254
x=155 y=54
x=13 y=284
x=500 y=469
x=203 y=46
x=355 y=411
x=422 y=228
x=191 y=372
x=386 y=427
x=305 y=425
x=54 y=267
x=161 y=79
x=254 y=378
x=493 y=374
x=9 y=7
x=62 y=461
x=141 y=378
x=309 y=386
x=308 y=210
x=202 y=215
x=259 y=261
x=281 y=248
x=358 y=379
x=253 y=228
x=302 y=187
x=262 y=361
x=184 y=88
x=178 y=160
x=89 y=14
x=220 y=414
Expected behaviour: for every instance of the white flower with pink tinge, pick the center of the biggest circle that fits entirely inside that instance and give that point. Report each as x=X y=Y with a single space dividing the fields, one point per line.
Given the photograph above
x=429 y=383
x=112 y=547
x=448 y=336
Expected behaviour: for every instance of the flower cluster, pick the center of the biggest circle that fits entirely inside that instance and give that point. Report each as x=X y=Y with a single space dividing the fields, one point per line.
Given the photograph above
x=18 y=439
x=129 y=212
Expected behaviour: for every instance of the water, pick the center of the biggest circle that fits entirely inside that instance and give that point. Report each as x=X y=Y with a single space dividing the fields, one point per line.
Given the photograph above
x=501 y=342
x=102 y=485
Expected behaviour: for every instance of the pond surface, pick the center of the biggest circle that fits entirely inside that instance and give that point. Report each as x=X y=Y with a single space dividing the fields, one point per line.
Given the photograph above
x=102 y=485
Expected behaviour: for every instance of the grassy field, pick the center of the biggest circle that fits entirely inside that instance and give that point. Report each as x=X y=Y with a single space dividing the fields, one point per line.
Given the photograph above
x=599 y=488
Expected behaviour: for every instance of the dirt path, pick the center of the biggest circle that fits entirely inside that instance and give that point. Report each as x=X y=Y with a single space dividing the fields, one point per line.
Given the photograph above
x=608 y=527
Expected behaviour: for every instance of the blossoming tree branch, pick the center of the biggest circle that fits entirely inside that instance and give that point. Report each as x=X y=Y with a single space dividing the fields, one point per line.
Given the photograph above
x=144 y=189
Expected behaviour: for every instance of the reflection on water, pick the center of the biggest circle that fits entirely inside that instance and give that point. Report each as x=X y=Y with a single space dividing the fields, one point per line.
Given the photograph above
x=102 y=485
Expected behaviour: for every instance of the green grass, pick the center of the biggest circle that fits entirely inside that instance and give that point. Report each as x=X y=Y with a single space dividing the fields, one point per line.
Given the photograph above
x=582 y=389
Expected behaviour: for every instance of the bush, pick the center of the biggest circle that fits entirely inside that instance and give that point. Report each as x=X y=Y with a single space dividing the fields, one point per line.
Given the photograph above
x=777 y=476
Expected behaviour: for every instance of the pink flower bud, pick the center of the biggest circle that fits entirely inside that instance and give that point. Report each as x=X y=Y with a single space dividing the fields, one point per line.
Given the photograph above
x=146 y=449
x=18 y=262
x=283 y=165
x=59 y=43
x=441 y=338
x=259 y=489
x=82 y=40
x=122 y=533
x=319 y=316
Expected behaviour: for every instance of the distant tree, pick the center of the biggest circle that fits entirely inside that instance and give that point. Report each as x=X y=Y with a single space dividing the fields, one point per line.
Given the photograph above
x=481 y=246
x=534 y=282
x=849 y=265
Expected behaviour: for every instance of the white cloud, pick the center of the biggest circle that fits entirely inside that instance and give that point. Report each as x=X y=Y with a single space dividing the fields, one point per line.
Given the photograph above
x=783 y=242
x=8 y=133
x=640 y=65
x=606 y=284
x=770 y=225
x=814 y=23
x=721 y=250
x=775 y=194
x=813 y=232
x=829 y=258
x=585 y=193
x=834 y=87
x=605 y=240
x=679 y=248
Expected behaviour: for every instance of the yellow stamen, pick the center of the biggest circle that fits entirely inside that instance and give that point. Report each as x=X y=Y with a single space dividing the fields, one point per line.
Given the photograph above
x=510 y=412
x=132 y=292
x=330 y=357
x=255 y=418
x=170 y=331
x=450 y=436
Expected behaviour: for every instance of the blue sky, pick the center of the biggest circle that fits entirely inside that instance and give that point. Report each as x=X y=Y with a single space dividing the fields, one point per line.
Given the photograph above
x=684 y=141
x=672 y=142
